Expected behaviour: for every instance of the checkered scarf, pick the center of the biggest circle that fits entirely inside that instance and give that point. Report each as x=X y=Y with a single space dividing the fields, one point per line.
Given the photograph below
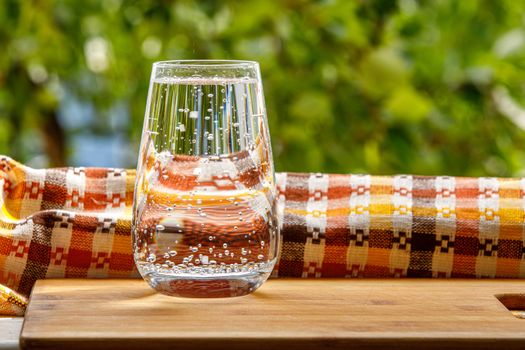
x=75 y=222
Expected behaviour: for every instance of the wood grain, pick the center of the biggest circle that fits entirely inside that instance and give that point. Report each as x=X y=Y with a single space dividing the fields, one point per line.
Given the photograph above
x=282 y=314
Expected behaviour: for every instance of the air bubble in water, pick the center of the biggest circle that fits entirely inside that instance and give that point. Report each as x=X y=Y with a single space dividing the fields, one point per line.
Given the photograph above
x=210 y=95
x=194 y=249
x=260 y=256
x=151 y=258
x=227 y=252
x=173 y=252
x=160 y=227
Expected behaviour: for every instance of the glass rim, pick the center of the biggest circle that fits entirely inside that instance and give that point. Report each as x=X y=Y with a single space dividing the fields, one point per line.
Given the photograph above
x=201 y=63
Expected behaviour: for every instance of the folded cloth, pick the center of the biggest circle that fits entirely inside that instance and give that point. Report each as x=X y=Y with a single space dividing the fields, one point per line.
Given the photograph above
x=75 y=222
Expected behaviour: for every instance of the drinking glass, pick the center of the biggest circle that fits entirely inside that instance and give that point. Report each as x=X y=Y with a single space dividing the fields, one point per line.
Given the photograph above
x=204 y=213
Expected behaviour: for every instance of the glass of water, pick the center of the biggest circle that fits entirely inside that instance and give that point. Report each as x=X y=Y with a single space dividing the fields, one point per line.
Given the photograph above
x=204 y=215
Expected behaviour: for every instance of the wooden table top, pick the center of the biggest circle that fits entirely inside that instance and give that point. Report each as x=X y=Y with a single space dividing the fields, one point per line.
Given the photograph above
x=282 y=314
x=10 y=332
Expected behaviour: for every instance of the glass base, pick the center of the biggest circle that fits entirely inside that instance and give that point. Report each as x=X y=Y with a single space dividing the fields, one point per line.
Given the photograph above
x=192 y=286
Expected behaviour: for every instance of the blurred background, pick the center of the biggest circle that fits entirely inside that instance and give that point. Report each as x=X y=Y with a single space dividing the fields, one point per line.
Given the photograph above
x=382 y=87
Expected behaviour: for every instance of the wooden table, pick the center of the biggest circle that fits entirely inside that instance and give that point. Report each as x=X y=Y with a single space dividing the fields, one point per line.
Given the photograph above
x=282 y=314
x=10 y=332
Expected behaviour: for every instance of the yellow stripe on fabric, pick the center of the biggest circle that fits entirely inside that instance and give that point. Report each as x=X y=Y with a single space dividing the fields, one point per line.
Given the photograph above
x=11 y=302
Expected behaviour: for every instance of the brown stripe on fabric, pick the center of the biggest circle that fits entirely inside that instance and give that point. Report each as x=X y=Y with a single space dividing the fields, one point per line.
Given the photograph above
x=121 y=262
x=333 y=270
x=39 y=253
x=337 y=231
x=381 y=239
x=510 y=249
x=294 y=226
x=55 y=190
x=423 y=239
x=467 y=246
x=294 y=232
x=292 y=259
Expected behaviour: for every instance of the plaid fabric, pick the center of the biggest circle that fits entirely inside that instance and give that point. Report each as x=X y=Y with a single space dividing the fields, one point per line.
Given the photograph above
x=11 y=303
x=75 y=222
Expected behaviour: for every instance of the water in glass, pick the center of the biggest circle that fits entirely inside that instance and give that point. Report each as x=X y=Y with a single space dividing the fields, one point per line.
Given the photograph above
x=204 y=220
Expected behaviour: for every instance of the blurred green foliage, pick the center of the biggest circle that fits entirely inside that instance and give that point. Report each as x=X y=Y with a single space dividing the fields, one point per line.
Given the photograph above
x=427 y=87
